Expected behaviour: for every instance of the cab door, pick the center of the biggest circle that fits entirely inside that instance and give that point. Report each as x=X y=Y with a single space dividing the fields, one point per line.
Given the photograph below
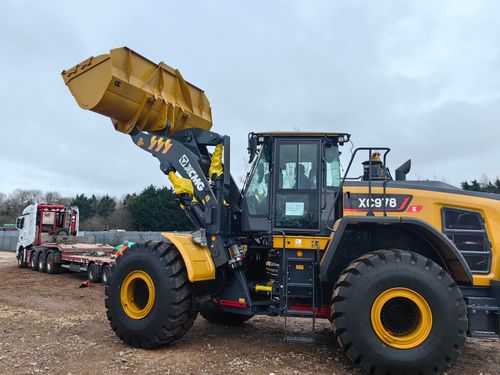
x=296 y=185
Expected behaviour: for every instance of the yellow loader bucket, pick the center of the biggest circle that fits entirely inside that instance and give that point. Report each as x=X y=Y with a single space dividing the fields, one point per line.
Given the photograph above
x=134 y=91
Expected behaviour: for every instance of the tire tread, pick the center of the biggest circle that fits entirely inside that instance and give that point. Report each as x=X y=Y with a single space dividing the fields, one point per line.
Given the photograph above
x=181 y=317
x=347 y=281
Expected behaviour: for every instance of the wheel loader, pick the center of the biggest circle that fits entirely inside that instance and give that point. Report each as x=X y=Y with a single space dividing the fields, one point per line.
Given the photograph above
x=404 y=270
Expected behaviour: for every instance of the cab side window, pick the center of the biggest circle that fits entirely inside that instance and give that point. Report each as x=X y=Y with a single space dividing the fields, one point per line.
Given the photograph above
x=257 y=194
x=467 y=231
x=332 y=165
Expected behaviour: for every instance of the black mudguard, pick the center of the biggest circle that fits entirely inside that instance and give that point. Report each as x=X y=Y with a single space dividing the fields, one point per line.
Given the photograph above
x=444 y=252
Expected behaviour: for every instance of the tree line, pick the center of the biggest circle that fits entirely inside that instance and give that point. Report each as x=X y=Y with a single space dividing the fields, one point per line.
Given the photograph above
x=153 y=209
x=484 y=185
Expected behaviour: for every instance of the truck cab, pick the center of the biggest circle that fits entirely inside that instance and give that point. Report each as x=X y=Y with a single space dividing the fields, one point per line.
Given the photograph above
x=40 y=222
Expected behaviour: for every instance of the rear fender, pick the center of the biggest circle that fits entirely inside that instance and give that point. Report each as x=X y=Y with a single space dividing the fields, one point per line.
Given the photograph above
x=355 y=236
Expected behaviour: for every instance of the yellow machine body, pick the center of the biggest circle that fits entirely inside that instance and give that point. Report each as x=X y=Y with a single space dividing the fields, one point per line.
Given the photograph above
x=197 y=258
x=301 y=242
x=427 y=205
x=386 y=283
x=135 y=92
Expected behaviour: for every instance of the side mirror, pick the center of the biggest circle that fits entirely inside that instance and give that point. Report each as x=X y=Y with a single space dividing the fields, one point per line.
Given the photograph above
x=252 y=146
x=403 y=170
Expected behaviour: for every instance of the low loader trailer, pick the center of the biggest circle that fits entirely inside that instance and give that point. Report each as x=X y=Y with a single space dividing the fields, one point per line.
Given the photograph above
x=49 y=242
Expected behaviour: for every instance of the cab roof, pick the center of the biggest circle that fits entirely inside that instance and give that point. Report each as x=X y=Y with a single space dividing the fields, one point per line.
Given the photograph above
x=345 y=136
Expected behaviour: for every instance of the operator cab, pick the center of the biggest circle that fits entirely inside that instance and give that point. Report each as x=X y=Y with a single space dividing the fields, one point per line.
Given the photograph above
x=292 y=183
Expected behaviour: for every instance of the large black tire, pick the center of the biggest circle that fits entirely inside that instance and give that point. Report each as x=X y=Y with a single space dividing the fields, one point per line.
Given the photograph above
x=213 y=313
x=34 y=260
x=42 y=261
x=106 y=274
x=94 y=273
x=376 y=274
x=52 y=266
x=172 y=313
x=20 y=259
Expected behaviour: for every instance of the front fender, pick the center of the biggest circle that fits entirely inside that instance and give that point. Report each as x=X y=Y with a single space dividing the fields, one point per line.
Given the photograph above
x=197 y=258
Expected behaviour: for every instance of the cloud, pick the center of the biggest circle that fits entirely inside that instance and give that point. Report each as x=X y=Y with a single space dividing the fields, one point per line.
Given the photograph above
x=420 y=77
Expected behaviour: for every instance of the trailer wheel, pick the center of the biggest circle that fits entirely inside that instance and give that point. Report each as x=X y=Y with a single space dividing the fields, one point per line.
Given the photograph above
x=213 y=313
x=52 y=267
x=34 y=260
x=106 y=274
x=42 y=261
x=149 y=301
x=94 y=274
x=398 y=312
x=20 y=259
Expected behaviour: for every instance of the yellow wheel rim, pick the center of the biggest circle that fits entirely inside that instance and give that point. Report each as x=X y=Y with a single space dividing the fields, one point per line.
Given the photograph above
x=137 y=294
x=401 y=318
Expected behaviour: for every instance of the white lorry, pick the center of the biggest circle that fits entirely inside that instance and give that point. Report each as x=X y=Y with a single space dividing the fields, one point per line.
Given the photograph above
x=49 y=242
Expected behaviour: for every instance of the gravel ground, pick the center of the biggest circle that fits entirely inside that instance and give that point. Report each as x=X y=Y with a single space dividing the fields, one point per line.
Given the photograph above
x=50 y=326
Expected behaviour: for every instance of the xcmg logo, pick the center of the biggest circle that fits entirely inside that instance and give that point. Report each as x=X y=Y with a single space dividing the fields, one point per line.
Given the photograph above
x=192 y=174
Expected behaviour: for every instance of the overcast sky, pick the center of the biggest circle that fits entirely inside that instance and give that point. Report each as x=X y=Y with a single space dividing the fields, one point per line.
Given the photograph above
x=420 y=77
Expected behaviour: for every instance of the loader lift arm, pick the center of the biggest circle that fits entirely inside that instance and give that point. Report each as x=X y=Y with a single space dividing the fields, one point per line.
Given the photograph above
x=171 y=119
x=202 y=199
